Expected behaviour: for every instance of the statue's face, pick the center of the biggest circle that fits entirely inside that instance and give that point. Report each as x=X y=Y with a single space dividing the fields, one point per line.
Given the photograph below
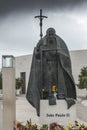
x=50 y=31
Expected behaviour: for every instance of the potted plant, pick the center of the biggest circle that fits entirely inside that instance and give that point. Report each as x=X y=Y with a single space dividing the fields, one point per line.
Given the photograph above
x=0 y=83
x=18 y=85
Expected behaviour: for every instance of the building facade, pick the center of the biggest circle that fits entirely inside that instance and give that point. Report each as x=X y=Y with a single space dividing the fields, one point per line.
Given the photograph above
x=23 y=65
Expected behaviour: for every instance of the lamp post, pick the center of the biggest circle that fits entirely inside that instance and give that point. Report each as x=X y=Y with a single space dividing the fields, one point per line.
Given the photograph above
x=9 y=98
x=8 y=61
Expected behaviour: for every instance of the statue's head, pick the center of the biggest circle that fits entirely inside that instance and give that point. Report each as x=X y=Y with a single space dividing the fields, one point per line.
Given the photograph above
x=50 y=31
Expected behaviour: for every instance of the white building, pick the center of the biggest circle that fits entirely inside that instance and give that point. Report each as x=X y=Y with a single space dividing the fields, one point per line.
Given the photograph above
x=23 y=64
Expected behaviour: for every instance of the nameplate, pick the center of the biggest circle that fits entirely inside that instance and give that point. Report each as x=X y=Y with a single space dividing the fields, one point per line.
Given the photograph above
x=56 y=113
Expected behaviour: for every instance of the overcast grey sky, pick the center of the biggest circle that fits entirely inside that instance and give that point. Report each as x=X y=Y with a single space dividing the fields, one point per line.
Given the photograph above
x=19 y=30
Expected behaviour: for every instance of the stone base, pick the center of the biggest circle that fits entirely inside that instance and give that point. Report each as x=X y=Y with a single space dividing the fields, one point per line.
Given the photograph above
x=56 y=113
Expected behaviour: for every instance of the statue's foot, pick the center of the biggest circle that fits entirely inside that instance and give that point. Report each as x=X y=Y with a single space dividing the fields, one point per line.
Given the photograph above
x=70 y=102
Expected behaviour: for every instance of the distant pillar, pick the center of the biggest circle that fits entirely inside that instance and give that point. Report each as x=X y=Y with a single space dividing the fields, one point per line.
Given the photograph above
x=9 y=98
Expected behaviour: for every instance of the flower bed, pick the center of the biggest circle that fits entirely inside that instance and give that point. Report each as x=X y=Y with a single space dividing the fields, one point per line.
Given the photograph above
x=28 y=126
x=52 y=126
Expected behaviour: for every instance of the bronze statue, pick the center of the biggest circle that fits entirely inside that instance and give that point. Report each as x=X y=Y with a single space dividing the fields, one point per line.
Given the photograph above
x=51 y=66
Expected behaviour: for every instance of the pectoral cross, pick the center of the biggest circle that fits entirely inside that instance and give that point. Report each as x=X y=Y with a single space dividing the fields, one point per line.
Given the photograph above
x=41 y=17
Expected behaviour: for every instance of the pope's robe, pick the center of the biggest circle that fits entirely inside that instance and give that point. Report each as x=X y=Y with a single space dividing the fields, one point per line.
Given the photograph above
x=51 y=66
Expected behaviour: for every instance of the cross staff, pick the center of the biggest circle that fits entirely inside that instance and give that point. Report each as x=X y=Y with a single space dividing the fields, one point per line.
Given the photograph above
x=41 y=17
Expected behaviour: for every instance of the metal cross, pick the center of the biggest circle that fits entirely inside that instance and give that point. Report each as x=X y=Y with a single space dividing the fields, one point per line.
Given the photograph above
x=41 y=17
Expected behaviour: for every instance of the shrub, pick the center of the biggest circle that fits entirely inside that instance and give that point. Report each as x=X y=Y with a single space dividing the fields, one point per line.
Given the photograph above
x=18 y=83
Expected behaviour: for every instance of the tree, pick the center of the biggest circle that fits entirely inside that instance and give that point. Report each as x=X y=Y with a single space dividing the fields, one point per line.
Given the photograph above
x=82 y=79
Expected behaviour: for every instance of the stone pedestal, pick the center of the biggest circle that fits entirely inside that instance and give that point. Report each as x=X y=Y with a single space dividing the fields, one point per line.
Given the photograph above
x=9 y=98
x=56 y=113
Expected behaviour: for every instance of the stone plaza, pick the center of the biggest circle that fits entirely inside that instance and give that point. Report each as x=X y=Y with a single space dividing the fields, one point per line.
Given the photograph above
x=24 y=111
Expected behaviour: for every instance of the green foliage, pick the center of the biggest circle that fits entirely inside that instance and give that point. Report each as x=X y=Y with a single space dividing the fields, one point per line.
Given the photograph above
x=82 y=78
x=44 y=126
x=18 y=83
x=0 y=80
